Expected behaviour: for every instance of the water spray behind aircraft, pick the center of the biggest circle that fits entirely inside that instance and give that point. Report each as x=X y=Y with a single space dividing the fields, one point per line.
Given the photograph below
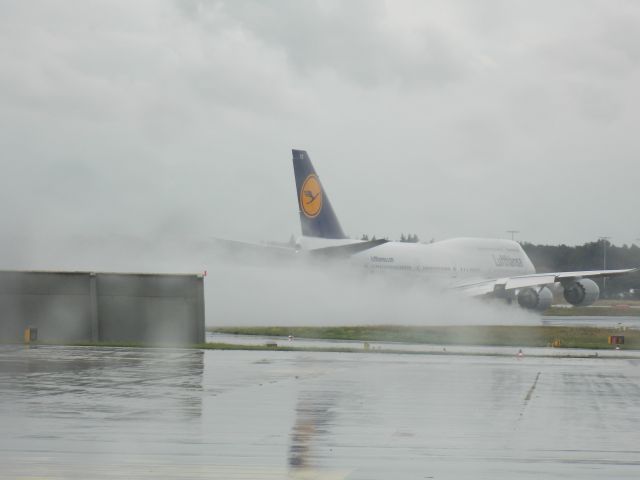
x=464 y=267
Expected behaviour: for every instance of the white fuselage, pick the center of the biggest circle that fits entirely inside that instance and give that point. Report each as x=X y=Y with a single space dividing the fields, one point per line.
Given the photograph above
x=448 y=262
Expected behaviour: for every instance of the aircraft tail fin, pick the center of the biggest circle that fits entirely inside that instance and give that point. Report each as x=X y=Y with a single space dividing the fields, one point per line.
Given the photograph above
x=317 y=217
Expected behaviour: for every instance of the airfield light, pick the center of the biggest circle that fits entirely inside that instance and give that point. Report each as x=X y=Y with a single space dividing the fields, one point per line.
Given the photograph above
x=604 y=241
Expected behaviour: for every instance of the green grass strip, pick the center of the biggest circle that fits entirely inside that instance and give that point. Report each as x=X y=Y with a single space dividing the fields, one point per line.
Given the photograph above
x=489 y=335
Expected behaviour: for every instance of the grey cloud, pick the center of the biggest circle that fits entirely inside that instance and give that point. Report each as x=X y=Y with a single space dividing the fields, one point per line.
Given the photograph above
x=126 y=119
x=351 y=39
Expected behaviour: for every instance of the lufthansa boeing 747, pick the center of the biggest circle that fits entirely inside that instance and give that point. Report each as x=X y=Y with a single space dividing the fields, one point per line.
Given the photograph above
x=475 y=266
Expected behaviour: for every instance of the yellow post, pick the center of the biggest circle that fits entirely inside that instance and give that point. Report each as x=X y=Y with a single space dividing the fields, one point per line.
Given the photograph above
x=30 y=335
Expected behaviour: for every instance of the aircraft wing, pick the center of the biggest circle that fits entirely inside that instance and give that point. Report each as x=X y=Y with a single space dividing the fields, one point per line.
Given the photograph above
x=342 y=251
x=485 y=287
x=234 y=248
x=244 y=249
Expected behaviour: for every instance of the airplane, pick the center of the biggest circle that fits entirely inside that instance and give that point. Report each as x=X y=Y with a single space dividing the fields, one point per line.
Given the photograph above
x=474 y=266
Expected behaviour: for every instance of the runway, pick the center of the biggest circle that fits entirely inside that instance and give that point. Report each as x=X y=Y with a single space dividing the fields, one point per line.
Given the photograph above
x=617 y=323
x=426 y=348
x=624 y=322
x=82 y=412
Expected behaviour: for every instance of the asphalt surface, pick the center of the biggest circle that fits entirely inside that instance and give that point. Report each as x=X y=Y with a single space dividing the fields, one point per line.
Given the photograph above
x=617 y=323
x=632 y=322
x=83 y=412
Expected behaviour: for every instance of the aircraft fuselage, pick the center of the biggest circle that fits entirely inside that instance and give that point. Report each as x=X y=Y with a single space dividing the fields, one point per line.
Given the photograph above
x=449 y=261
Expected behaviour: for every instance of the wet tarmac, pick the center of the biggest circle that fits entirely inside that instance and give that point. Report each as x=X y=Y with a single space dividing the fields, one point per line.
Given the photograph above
x=395 y=347
x=617 y=323
x=83 y=412
x=621 y=322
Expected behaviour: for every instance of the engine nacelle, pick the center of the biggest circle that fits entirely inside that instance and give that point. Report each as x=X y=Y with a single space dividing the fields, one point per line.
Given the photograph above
x=535 y=298
x=581 y=293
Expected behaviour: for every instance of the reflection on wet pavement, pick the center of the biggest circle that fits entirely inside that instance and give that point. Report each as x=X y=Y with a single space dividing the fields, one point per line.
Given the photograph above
x=80 y=412
x=311 y=415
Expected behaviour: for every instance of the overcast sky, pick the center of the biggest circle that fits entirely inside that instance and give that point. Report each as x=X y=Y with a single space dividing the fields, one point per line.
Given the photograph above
x=175 y=119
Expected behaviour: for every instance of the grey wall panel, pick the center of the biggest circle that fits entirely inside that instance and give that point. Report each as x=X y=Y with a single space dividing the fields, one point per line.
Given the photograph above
x=146 y=319
x=44 y=283
x=57 y=317
x=147 y=285
x=108 y=307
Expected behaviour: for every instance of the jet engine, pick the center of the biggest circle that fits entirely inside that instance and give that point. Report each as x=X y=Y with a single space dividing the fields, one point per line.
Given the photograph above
x=581 y=293
x=535 y=298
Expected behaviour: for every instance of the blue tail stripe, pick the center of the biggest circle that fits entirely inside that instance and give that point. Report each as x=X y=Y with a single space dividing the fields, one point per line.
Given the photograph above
x=317 y=217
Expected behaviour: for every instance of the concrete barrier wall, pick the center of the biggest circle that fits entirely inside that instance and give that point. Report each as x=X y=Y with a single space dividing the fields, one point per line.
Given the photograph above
x=158 y=308
x=102 y=307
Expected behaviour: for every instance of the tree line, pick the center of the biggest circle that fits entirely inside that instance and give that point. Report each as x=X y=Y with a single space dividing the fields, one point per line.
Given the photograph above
x=408 y=238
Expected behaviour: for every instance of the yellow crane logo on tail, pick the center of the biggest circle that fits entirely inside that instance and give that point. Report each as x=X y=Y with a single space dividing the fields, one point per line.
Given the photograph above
x=311 y=196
